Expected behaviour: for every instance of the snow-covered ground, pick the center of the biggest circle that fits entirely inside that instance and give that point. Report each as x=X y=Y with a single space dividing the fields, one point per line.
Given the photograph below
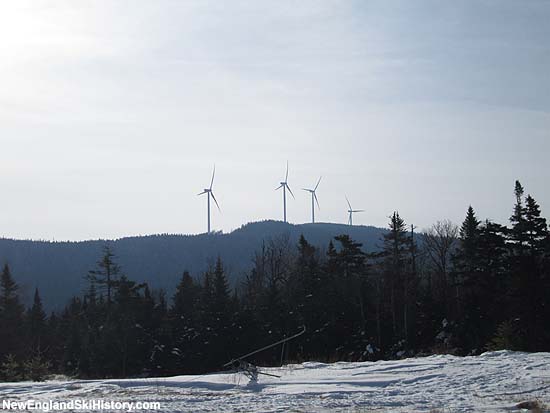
x=491 y=382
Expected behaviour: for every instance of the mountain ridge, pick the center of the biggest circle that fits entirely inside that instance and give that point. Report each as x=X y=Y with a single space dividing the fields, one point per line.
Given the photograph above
x=58 y=268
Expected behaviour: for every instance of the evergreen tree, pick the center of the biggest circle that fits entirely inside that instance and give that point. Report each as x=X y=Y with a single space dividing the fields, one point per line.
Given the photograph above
x=73 y=360
x=220 y=297
x=518 y=234
x=128 y=332
x=308 y=298
x=189 y=306
x=106 y=275
x=11 y=315
x=36 y=367
x=528 y=284
x=465 y=261
x=396 y=273
x=346 y=270
x=10 y=369
x=219 y=318
x=483 y=272
x=158 y=325
x=184 y=328
x=536 y=229
x=54 y=340
x=466 y=255
x=185 y=299
x=492 y=250
x=36 y=322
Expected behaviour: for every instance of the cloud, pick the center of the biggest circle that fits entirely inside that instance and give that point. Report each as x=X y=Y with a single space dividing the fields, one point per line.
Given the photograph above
x=110 y=105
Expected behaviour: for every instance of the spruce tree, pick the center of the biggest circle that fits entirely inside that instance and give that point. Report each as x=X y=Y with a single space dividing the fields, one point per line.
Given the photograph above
x=307 y=293
x=526 y=307
x=11 y=315
x=128 y=333
x=529 y=284
x=10 y=369
x=106 y=275
x=483 y=272
x=36 y=322
x=536 y=228
x=220 y=297
x=346 y=270
x=396 y=254
x=54 y=341
x=465 y=271
x=185 y=299
x=518 y=234
x=218 y=318
x=466 y=255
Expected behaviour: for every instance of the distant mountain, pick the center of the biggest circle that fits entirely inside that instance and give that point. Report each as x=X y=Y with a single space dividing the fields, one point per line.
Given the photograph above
x=58 y=268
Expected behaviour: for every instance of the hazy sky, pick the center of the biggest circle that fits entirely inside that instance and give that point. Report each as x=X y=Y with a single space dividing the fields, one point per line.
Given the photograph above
x=112 y=113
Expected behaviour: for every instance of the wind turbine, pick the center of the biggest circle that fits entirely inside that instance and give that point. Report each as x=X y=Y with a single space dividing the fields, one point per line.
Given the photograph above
x=313 y=200
x=285 y=186
x=209 y=193
x=351 y=211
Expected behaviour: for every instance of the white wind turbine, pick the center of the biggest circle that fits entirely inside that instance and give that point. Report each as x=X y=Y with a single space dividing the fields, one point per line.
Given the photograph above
x=209 y=193
x=313 y=200
x=351 y=211
x=285 y=186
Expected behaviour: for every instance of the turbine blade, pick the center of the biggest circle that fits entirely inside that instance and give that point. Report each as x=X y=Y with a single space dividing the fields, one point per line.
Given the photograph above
x=214 y=198
x=286 y=176
x=318 y=182
x=348 y=203
x=203 y=192
x=213 y=173
x=358 y=210
x=279 y=187
x=289 y=190
x=316 y=200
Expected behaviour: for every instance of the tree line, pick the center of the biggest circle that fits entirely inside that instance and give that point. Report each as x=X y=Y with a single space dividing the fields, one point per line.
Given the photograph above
x=462 y=290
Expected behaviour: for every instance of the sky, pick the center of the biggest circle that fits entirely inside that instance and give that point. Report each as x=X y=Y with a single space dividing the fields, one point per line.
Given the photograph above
x=113 y=114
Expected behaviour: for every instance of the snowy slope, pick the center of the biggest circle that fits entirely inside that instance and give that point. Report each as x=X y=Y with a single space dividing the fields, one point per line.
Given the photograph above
x=492 y=382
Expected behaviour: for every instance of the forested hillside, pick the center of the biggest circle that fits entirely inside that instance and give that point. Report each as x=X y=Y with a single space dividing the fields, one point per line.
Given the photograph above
x=58 y=269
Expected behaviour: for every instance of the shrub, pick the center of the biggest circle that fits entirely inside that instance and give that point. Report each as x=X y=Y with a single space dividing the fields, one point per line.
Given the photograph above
x=36 y=368
x=10 y=369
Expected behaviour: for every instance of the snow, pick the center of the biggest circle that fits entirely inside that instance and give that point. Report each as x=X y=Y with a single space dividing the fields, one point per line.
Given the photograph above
x=491 y=382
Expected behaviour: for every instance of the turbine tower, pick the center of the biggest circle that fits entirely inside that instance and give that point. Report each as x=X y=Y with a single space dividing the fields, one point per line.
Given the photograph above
x=209 y=193
x=313 y=200
x=351 y=211
x=285 y=186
